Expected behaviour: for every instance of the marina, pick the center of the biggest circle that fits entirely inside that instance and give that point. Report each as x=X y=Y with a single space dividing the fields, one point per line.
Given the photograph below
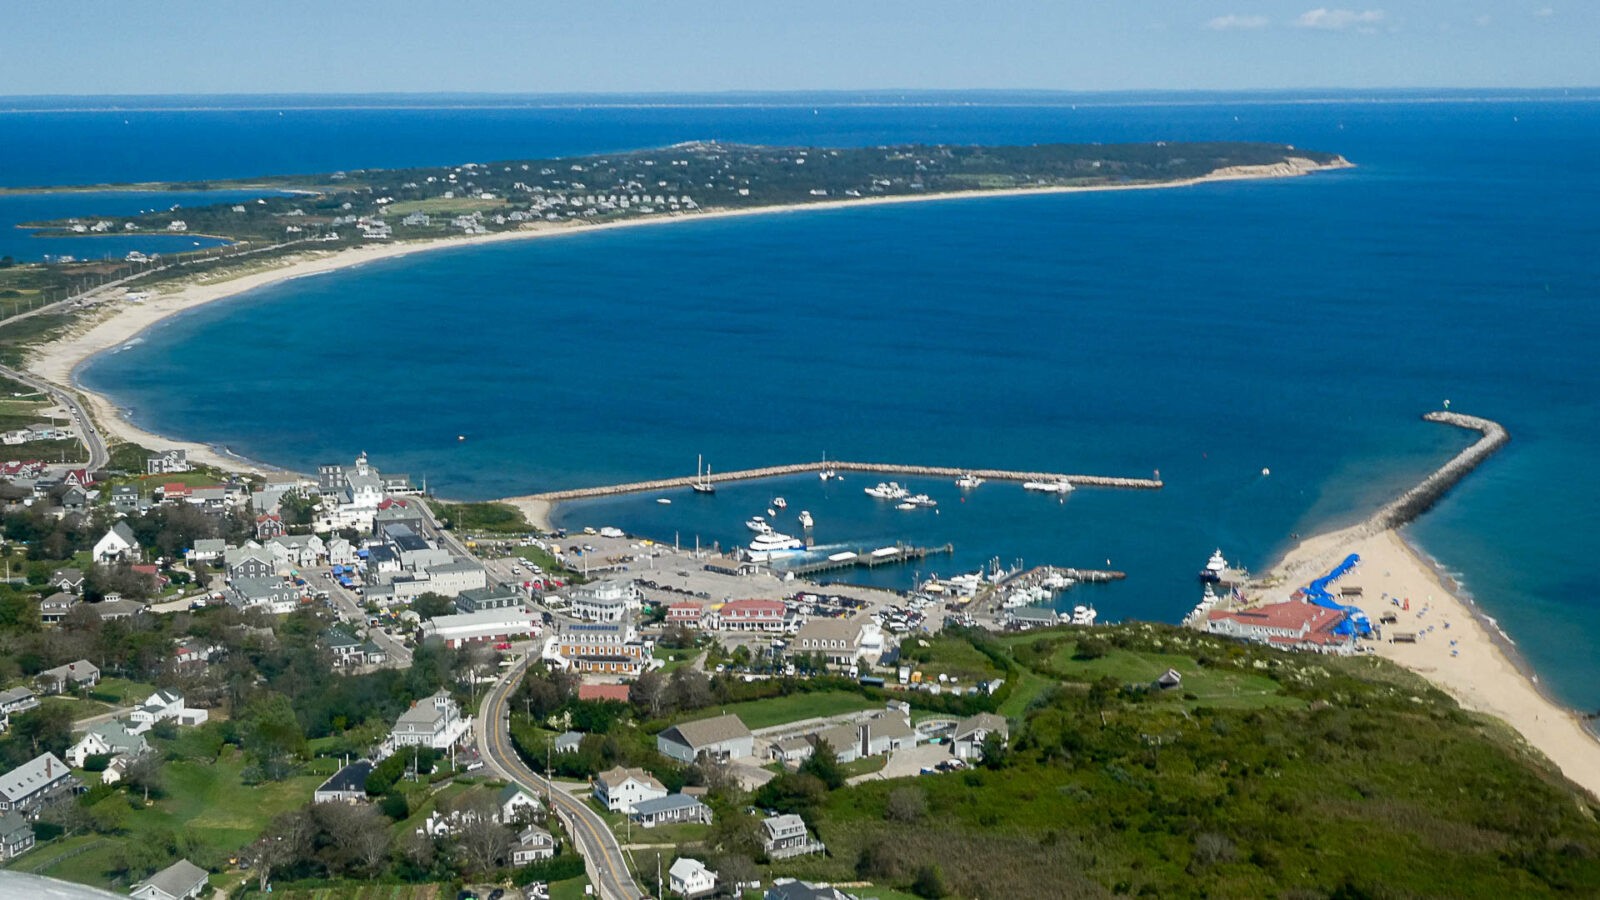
x=850 y=559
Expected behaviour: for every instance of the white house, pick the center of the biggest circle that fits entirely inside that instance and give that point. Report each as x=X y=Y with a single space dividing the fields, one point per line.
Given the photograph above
x=16 y=836
x=435 y=722
x=161 y=706
x=179 y=881
x=118 y=544
x=517 y=806
x=107 y=739
x=967 y=743
x=533 y=844
x=720 y=737
x=606 y=601
x=619 y=789
x=839 y=641
x=691 y=878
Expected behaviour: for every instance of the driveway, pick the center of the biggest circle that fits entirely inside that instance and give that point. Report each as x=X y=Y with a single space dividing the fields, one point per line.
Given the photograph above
x=908 y=763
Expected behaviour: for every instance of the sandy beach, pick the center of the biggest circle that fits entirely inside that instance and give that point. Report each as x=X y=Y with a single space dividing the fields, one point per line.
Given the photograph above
x=115 y=322
x=1457 y=648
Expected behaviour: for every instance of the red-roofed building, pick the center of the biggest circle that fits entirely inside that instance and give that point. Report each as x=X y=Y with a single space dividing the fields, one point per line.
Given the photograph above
x=618 y=692
x=1295 y=625
x=390 y=501
x=175 y=491
x=752 y=615
x=153 y=572
x=79 y=477
x=689 y=614
x=269 y=526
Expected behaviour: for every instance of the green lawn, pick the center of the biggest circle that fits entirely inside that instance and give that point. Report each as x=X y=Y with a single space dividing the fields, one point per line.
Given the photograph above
x=441 y=206
x=937 y=655
x=571 y=889
x=355 y=890
x=121 y=691
x=864 y=766
x=781 y=710
x=1209 y=687
x=1023 y=693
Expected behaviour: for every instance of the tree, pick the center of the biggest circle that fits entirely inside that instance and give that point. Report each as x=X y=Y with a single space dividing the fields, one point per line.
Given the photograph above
x=286 y=838
x=995 y=753
x=906 y=804
x=360 y=834
x=47 y=729
x=272 y=735
x=823 y=765
x=688 y=689
x=929 y=882
x=145 y=775
x=485 y=843
x=648 y=694
x=431 y=606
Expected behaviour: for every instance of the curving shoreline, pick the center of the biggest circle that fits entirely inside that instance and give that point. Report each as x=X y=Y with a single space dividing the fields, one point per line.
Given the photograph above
x=59 y=361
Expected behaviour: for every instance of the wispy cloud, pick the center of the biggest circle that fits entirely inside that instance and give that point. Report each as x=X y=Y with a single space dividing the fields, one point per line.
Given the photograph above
x=1232 y=22
x=1340 y=19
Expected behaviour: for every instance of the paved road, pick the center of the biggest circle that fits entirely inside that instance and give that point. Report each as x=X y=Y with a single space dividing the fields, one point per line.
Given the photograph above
x=608 y=870
x=349 y=607
x=98 y=455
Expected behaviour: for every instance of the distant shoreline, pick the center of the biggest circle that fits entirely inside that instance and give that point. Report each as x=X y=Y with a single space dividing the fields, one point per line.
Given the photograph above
x=61 y=360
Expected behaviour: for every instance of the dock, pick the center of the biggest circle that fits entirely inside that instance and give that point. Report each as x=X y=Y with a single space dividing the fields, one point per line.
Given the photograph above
x=662 y=484
x=866 y=558
x=1421 y=498
x=1081 y=576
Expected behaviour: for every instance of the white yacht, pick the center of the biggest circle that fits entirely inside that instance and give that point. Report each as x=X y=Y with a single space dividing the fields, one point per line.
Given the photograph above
x=758 y=524
x=922 y=500
x=780 y=503
x=805 y=519
x=968 y=481
x=774 y=545
x=907 y=504
x=1215 y=566
x=887 y=490
x=1084 y=615
x=1062 y=486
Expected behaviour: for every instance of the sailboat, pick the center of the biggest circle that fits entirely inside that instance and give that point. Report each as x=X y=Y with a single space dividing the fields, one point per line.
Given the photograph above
x=702 y=483
x=827 y=473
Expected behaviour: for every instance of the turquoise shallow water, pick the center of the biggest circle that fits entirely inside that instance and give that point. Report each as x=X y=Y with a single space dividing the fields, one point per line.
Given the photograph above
x=1302 y=325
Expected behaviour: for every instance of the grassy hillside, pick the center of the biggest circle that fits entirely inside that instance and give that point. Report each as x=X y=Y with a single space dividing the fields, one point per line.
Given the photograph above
x=1264 y=775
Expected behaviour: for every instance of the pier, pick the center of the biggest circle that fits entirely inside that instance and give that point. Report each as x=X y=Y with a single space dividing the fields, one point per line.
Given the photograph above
x=662 y=484
x=866 y=558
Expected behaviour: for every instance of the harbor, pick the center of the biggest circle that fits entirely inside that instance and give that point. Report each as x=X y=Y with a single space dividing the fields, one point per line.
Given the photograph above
x=850 y=559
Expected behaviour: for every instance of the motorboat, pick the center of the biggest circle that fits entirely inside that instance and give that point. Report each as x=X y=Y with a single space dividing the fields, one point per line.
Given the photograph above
x=922 y=500
x=968 y=481
x=774 y=545
x=664 y=501
x=1215 y=566
x=758 y=524
x=1061 y=486
x=887 y=490
x=805 y=519
x=780 y=503
x=905 y=505
x=1084 y=615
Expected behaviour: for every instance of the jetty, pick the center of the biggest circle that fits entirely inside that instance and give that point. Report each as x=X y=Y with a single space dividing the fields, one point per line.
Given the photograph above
x=1421 y=498
x=662 y=484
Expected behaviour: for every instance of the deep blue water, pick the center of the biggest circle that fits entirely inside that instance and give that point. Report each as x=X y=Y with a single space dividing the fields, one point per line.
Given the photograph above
x=1301 y=325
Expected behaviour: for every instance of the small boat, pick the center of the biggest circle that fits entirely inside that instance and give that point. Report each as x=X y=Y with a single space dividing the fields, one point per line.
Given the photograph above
x=771 y=511
x=758 y=524
x=805 y=519
x=922 y=500
x=702 y=483
x=828 y=473
x=780 y=503
x=1062 y=486
x=905 y=505
x=887 y=490
x=968 y=481
x=1215 y=566
x=663 y=501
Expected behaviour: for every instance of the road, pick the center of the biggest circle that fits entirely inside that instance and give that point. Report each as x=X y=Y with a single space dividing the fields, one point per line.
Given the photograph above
x=349 y=608
x=608 y=870
x=98 y=455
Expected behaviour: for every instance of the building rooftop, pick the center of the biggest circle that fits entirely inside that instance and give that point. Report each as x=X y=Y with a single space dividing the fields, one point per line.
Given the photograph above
x=705 y=732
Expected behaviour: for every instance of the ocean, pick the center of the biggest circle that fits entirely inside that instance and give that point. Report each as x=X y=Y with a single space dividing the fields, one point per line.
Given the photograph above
x=1301 y=326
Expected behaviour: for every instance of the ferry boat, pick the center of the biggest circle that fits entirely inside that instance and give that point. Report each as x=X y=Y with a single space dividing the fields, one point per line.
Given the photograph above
x=1212 y=573
x=805 y=519
x=774 y=545
x=887 y=490
x=1048 y=487
x=758 y=524
x=968 y=481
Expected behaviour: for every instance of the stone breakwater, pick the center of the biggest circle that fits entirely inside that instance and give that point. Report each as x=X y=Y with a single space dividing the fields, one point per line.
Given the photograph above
x=1421 y=498
x=611 y=490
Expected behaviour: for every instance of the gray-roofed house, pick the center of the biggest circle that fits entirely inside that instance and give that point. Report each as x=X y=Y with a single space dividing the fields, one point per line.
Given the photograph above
x=479 y=599
x=35 y=784
x=125 y=498
x=619 y=789
x=207 y=550
x=434 y=722
x=74 y=499
x=277 y=595
x=348 y=785
x=720 y=738
x=785 y=835
x=967 y=742
x=883 y=733
x=395 y=514
x=249 y=561
x=179 y=881
x=690 y=878
x=791 y=751
x=533 y=844
x=17 y=700
x=55 y=607
x=110 y=610
x=69 y=580
x=117 y=544
x=789 y=889
x=516 y=805
x=16 y=835
x=107 y=739
x=839 y=641
x=69 y=677
x=669 y=810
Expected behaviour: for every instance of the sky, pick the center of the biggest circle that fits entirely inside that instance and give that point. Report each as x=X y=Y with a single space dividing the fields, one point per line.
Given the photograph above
x=77 y=47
